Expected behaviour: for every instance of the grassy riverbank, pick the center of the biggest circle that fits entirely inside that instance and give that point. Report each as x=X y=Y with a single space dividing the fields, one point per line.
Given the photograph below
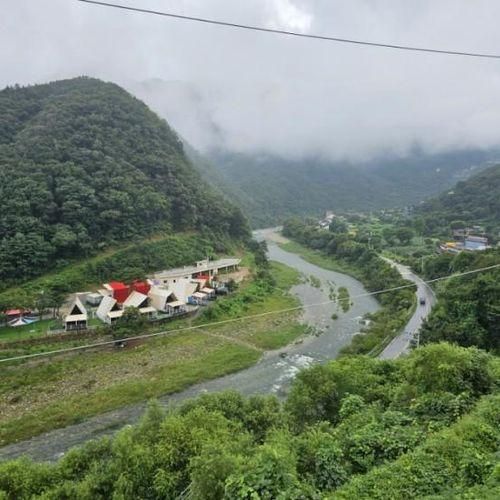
x=39 y=396
x=319 y=259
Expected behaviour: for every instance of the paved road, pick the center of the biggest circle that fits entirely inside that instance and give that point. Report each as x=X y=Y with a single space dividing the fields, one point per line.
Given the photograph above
x=400 y=344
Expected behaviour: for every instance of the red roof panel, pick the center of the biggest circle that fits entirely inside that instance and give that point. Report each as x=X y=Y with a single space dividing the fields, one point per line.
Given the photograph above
x=141 y=287
x=13 y=312
x=120 y=291
x=118 y=285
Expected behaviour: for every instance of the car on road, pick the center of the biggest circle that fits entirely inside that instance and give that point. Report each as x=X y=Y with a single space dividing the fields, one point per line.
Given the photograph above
x=422 y=301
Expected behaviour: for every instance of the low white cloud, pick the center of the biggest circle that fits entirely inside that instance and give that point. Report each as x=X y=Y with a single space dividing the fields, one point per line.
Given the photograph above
x=286 y=15
x=248 y=91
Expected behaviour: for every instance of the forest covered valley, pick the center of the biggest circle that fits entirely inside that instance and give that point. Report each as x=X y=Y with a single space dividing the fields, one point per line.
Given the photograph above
x=343 y=428
x=249 y=252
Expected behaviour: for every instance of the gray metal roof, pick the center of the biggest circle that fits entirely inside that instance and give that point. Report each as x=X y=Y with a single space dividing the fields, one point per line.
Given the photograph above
x=190 y=270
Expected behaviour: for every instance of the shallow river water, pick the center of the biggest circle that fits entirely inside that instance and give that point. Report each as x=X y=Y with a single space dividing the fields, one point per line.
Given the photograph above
x=271 y=375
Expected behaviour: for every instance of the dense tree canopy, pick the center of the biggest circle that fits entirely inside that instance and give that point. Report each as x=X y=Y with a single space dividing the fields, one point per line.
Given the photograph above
x=468 y=308
x=473 y=201
x=353 y=428
x=271 y=189
x=83 y=165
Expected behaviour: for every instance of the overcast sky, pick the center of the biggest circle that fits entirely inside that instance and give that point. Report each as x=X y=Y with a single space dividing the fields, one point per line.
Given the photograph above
x=247 y=91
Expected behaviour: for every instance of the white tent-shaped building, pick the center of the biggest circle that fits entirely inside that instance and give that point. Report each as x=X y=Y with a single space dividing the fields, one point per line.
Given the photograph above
x=22 y=321
x=141 y=302
x=183 y=289
x=77 y=317
x=136 y=299
x=108 y=310
x=166 y=301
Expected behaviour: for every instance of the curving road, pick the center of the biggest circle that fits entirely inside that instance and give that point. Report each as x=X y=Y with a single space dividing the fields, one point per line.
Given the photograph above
x=400 y=344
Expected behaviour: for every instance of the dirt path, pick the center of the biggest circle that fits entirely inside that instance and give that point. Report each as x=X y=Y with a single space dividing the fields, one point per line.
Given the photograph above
x=271 y=234
x=234 y=340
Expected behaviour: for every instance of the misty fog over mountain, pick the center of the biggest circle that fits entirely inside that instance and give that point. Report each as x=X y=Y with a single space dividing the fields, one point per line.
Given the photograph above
x=247 y=92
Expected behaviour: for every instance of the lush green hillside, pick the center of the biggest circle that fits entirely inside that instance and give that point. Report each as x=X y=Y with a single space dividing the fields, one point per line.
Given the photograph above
x=468 y=308
x=475 y=200
x=424 y=426
x=84 y=165
x=270 y=189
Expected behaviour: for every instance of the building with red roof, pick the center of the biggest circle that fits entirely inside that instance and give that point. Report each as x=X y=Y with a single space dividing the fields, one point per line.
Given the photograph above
x=141 y=287
x=119 y=290
x=13 y=313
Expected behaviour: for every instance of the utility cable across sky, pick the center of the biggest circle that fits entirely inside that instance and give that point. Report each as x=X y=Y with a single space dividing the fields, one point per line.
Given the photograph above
x=292 y=33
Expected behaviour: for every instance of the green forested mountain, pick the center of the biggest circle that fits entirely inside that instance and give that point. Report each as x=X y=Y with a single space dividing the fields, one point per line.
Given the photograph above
x=270 y=188
x=83 y=165
x=475 y=200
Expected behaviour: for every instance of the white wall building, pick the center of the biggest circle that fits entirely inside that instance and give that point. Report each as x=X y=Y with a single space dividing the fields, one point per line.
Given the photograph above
x=166 y=301
x=202 y=267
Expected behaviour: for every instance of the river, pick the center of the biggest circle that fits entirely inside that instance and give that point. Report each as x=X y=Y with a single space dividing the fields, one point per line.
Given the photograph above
x=271 y=375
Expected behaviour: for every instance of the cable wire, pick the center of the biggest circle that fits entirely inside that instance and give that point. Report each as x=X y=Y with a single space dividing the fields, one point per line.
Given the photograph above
x=241 y=318
x=293 y=33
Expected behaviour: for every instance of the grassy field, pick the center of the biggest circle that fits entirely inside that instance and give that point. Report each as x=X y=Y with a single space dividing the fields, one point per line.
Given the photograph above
x=39 y=396
x=60 y=392
x=37 y=329
x=279 y=336
x=320 y=259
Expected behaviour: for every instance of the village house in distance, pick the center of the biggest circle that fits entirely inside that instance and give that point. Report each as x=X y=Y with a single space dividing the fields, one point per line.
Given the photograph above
x=471 y=239
x=164 y=294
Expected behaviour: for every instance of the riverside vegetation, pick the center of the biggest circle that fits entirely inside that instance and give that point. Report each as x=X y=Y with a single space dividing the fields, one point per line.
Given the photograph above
x=339 y=251
x=425 y=426
x=41 y=395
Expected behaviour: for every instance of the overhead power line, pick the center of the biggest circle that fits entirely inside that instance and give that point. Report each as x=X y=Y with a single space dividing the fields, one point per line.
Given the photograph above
x=293 y=33
x=241 y=318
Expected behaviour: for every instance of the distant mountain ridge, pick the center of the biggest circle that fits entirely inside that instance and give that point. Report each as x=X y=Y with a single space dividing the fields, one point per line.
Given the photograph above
x=83 y=165
x=269 y=188
x=475 y=200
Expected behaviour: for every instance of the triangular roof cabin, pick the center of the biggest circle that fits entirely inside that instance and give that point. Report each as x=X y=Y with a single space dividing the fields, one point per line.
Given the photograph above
x=136 y=299
x=77 y=311
x=77 y=308
x=107 y=305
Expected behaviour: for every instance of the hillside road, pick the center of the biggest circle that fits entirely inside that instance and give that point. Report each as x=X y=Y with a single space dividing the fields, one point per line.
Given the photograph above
x=400 y=344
